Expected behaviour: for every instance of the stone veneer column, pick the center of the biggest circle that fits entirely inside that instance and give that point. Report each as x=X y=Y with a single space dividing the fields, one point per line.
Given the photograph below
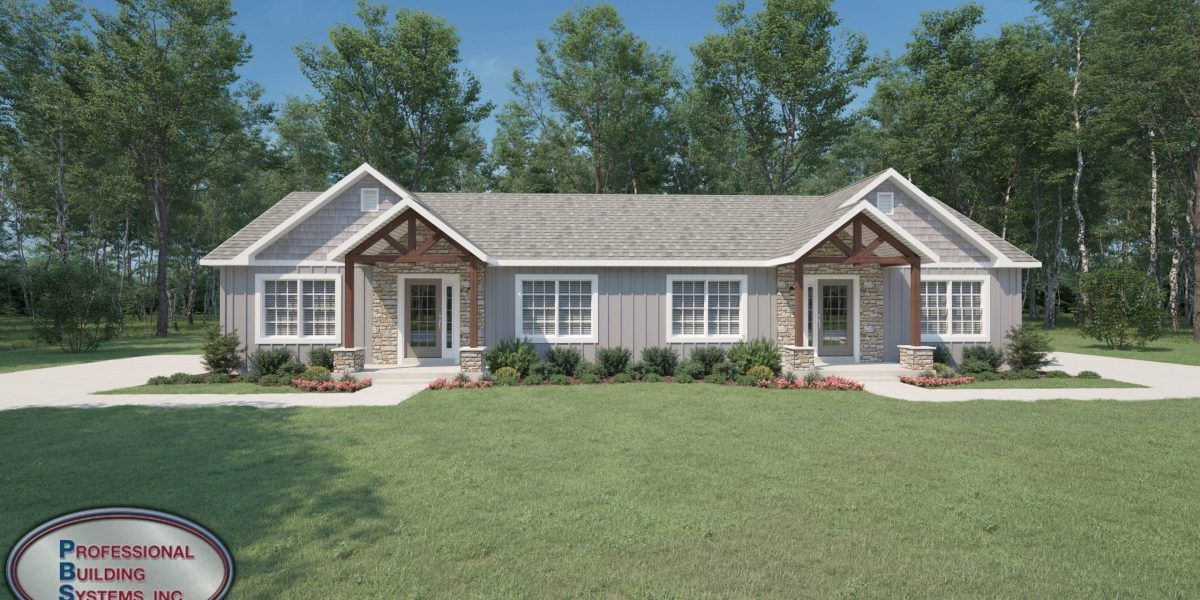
x=349 y=360
x=916 y=358
x=798 y=359
x=869 y=296
x=470 y=360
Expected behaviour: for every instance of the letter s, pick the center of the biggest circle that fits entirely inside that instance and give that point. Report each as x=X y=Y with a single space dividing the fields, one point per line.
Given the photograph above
x=66 y=592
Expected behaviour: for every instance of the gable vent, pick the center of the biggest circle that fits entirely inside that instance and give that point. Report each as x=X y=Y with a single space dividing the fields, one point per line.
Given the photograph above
x=369 y=199
x=885 y=202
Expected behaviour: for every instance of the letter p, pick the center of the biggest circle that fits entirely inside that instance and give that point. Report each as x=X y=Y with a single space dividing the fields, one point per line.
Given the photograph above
x=65 y=547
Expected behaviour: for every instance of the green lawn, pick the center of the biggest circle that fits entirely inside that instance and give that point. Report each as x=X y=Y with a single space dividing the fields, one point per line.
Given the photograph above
x=640 y=491
x=18 y=352
x=1048 y=383
x=206 y=388
x=1173 y=347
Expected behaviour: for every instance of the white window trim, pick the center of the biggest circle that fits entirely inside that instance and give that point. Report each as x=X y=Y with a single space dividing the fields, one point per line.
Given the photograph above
x=452 y=280
x=743 y=304
x=260 y=335
x=985 y=293
x=891 y=196
x=362 y=200
x=558 y=339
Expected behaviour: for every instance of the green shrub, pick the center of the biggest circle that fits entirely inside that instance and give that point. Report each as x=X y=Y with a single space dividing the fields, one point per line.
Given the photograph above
x=1027 y=347
x=275 y=379
x=1008 y=375
x=589 y=377
x=321 y=357
x=1089 y=375
x=746 y=381
x=986 y=376
x=220 y=351
x=789 y=377
x=506 y=376
x=928 y=373
x=269 y=361
x=760 y=372
x=534 y=379
x=518 y=354
x=159 y=380
x=941 y=354
x=543 y=370
x=715 y=378
x=726 y=370
x=637 y=370
x=660 y=360
x=692 y=368
x=292 y=369
x=684 y=378
x=943 y=370
x=756 y=352
x=315 y=374
x=622 y=378
x=1057 y=374
x=462 y=377
x=347 y=377
x=708 y=357
x=612 y=360
x=220 y=378
x=1028 y=374
x=587 y=367
x=564 y=360
x=982 y=357
x=178 y=378
x=813 y=376
x=1122 y=308
x=652 y=377
x=560 y=379
x=75 y=306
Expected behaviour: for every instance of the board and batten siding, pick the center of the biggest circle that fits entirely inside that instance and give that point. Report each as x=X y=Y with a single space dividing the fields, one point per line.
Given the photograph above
x=239 y=306
x=631 y=305
x=1004 y=306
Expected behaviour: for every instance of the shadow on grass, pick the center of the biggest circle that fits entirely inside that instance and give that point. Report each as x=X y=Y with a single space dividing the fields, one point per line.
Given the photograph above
x=264 y=481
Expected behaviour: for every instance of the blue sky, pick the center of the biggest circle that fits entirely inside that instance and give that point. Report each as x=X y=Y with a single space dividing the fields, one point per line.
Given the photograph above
x=499 y=36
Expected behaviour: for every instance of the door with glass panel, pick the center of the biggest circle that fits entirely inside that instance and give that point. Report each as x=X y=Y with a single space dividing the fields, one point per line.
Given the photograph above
x=421 y=323
x=835 y=335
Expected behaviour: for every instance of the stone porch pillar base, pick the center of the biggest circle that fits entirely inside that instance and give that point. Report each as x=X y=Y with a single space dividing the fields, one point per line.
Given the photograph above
x=470 y=360
x=349 y=360
x=798 y=359
x=916 y=358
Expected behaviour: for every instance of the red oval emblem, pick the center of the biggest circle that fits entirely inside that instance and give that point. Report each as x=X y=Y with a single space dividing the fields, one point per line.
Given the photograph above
x=119 y=554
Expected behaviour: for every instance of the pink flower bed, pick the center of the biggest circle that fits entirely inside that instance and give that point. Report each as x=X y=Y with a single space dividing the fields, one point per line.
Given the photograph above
x=935 y=382
x=331 y=386
x=454 y=384
x=832 y=382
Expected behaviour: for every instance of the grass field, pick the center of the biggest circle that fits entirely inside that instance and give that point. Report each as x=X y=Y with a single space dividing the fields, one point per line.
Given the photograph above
x=1173 y=347
x=1048 y=383
x=19 y=352
x=640 y=491
x=206 y=388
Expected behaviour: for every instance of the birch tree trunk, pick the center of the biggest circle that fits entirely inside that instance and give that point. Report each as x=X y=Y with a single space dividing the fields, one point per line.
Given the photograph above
x=1195 y=217
x=1152 y=268
x=1053 y=274
x=1173 y=276
x=1080 y=236
x=61 y=208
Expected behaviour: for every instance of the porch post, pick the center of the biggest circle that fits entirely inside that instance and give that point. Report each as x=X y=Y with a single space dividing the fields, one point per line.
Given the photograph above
x=474 y=304
x=914 y=302
x=799 y=298
x=348 y=304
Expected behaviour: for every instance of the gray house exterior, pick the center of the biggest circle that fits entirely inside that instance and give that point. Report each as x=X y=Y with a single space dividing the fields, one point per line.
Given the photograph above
x=390 y=277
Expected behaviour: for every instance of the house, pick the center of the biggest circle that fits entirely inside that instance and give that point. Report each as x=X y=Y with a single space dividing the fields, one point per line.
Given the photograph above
x=388 y=276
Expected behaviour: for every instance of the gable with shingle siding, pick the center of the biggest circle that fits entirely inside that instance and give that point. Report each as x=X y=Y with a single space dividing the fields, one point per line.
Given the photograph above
x=929 y=228
x=331 y=225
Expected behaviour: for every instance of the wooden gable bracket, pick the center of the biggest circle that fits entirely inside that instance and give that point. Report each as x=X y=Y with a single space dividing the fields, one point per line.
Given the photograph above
x=860 y=255
x=412 y=253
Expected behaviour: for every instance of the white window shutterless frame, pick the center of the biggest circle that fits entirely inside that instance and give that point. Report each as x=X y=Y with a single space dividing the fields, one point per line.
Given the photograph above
x=557 y=309
x=706 y=308
x=297 y=308
x=954 y=308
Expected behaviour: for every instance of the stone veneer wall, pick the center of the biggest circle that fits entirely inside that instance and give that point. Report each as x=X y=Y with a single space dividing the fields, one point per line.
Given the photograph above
x=384 y=323
x=870 y=298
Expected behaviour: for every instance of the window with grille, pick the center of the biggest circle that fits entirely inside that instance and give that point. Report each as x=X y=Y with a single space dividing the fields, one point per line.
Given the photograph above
x=299 y=308
x=707 y=308
x=952 y=308
x=557 y=307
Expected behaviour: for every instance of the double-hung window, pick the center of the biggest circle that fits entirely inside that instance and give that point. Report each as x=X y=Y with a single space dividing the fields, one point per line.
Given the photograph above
x=298 y=308
x=557 y=308
x=706 y=307
x=953 y=308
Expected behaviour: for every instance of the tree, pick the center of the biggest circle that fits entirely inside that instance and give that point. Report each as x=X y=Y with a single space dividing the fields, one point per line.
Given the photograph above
x=308 y=155
x=76 y=306
x=395 y=95
x=784 y=79
x=601 y=89
x=166 y=71
x=1123 y=307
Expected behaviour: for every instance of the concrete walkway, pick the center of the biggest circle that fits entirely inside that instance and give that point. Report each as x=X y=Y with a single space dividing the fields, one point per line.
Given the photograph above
x=73 y=386
x=1162 y=381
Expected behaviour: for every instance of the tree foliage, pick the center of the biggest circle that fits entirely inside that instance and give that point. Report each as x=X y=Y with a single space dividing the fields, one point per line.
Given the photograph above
x=1123 y=310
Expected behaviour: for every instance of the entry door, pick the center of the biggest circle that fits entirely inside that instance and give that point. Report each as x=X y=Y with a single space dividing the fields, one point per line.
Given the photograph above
x=421 y=318
x=836 y=337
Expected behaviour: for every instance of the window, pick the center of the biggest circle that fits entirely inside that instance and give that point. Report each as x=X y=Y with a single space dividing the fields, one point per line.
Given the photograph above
x=368 y=199
x=294 y=308
x=706 y=307
x=556 y=307
x=885 y=202
x=953 y=309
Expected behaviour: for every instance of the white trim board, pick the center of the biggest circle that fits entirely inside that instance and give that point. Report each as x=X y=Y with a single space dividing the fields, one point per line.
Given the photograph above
x=743 y=308
x=519 y=324
x=864 y=206
x=446 y=279
x=262 y=339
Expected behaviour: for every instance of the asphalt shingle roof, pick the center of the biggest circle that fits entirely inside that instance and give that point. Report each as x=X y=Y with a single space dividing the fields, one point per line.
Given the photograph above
x=262 y=225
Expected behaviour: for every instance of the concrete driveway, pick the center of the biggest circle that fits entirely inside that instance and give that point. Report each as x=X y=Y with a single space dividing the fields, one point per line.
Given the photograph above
x=1162 y=381
x=72 y=386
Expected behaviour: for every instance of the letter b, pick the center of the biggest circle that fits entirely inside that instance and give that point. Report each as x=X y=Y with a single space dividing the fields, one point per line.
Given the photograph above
x=66 y=571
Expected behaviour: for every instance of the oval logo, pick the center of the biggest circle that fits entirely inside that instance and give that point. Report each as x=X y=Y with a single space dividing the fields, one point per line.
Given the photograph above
x=119 y=554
